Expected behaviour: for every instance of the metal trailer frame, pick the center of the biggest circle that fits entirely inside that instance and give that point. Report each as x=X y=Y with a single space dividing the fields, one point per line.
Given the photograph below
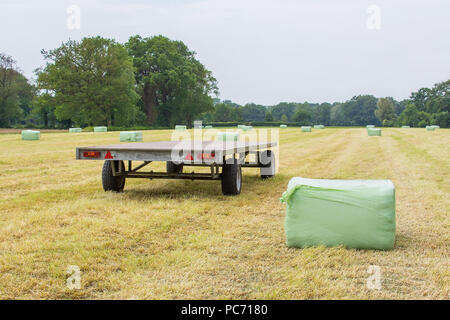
x=212 y=154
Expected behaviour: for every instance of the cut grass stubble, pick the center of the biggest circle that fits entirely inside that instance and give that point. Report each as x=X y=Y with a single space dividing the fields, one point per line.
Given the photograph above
x=181 y=239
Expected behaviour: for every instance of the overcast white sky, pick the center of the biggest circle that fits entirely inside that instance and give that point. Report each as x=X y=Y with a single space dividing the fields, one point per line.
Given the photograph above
x=259 y=50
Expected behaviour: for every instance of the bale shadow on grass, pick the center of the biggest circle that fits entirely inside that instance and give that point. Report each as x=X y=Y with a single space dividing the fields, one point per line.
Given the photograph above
x=176 y=189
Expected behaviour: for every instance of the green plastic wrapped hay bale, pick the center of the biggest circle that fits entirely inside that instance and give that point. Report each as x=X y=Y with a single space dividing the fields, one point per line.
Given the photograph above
x=353 y=213
x=130 y=136
x=240 y=126
x=283 y=126
x=100 y=129
x=430 y=128
x=436 y=127
x=306 y=129
x=208 y=127
x=74 y=130
x=227 y=136
x=370 y=126
x=319 y=126
x=31 y=135
x=246 y=128
x=373 y=131
x=406 y=127
x=180 y=127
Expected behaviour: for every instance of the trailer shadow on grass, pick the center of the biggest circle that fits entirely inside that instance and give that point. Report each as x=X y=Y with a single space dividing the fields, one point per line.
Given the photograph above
x=176 y=189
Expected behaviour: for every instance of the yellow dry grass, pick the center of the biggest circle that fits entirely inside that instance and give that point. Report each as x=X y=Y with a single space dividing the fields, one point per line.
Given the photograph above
x=165 y=239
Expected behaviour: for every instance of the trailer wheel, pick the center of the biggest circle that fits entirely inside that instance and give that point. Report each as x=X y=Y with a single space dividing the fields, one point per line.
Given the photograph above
x=267 y=157
x=231 y=179
x=110 y=182
x=173 y=168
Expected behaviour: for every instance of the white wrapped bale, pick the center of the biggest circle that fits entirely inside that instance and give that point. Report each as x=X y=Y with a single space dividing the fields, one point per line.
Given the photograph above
x=130 y=136
x=373 y=131
x=306 y=129
x=354 y=213
x=100 y=129
x=180 y=127
x=31 y=135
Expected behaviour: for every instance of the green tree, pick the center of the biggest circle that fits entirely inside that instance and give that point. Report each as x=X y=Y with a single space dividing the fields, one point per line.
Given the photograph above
x=424 y=119
x=269 y=116
x=337 y=116
x=284 y=118
x=442 y=119
x=173 y=85
x=11 y=85
x=222 y=113
x=385 y=111
x=254 y=112
x=302 y=115
x=428 y=106
x=321 y=114
x=409 y=116
x=236 y=114
x=360 y=110
x=91 y=82
x=44 y=108
x=286 y=108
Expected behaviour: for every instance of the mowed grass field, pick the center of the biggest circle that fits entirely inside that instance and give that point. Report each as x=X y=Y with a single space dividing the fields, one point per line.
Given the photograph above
x=173 y=239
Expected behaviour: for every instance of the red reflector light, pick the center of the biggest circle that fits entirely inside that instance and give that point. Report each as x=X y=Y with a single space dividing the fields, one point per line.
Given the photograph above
x=109 y=155
x=208 y=156
x=91 y=154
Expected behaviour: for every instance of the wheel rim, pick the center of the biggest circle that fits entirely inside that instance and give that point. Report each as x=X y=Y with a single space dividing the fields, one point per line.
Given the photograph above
x=238 y=179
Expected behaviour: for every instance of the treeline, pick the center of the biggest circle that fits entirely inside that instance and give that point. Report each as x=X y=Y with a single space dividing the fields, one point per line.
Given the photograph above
x=159 y=82
x=96 y=81
x=425 y=107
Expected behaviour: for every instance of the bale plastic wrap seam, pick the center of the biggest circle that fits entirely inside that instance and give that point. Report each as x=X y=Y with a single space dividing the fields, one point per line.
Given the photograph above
x=353 y=213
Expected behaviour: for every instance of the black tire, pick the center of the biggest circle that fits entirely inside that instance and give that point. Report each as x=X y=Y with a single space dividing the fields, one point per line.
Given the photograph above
x=231 y=179
x=111 y=183
x=266 y=155
x=173 y=168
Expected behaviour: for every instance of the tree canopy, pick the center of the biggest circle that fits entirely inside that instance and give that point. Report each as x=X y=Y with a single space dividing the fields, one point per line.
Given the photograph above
x=173 y=85
x=15 y=92
x=428 y=106
x=385 y=111
x=91 y=82
x=159 y=82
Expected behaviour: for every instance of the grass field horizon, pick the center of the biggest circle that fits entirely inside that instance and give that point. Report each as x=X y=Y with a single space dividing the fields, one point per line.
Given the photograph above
x=171 y=239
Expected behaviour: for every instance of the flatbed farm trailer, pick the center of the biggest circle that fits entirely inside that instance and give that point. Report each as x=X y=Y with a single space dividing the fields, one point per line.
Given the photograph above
x=229 y=156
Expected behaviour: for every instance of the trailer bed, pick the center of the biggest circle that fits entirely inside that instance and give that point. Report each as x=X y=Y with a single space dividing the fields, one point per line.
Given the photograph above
x=228 y=155
x=158 y=147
